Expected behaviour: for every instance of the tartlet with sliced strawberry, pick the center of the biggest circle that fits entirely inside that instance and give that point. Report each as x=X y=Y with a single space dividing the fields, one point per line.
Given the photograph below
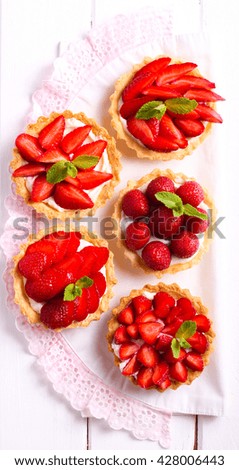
x=63 y=279
x=164 y=222
x=163 y=108
x=161 y=337
x=65 y=164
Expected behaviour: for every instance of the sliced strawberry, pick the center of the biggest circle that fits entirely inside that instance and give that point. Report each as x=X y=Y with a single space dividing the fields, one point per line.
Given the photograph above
x=190 y=128
x=70 y=197
x=74 y=139
x=51 y=283
x=173 y=315
x=57 y=313
x=191 y=115
x=73 y=242
x=169 y=357
x=188 y=312
x=51 y=135
x=131 y=367
x=194 y=361
x=162 y=144
x=178 y=372
x=137 y=85
x=163 y=92
x=146 y=317
x=186 y=82
x=126 y=316
x=133 y=330
x=173 y=72
x=147 y=356
x=121 y=335
x=170 y=131
x=202 y=95
x=73 y=181
x=161 y=373
x=150 y=331
x=127 y=350
x=92 y=179
x=140 y=130
x=53 y=155
x=173 y=327
x=71 y=265
x=28 y=147
x=30 y=169
x=94 y=258
x=93 y=148
x=162 y=303
x=154 y=125
x=41 y=189
x=92 y=299
x=141 y=304
x=163 y=342
x=165 y=384
x=144 y=377
x=100 y=283
x=52 y=245
x=203 y=323
x=206 y=113
x=81 y=306
x=130 y=108
x=198 y=342
x=32 y=264
x=154 y=67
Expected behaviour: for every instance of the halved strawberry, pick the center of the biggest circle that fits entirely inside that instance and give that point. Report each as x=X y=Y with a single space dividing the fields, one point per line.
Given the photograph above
x=161 y=373
x=169 y=357
x=202 y=95
x=93 y=148
x=206 y=113
x=194 y=361
x=173 y=72
x=146 y=317
x=126 y=316
x=28 y=147
x=190 y=128
x=54 y=245
x=57 y=313
x=178 y=372
x=121 y=335
x=203 y=323
x=154 y=67
x=81 y=306
x=162 y=144
x=144 y=377
x=30 y=169
x=147 y=355
x=174 y=313
x=53 y=155
x=51 y=283
x=137 y=85
x=74 y=139
x=131 y=367
x=163 y=342
x=41 y=189
x=127 y=350
x=165 y=384
x=92 y=299
x=186 y=82
x=51 y=135
x=32 y=264
x=92 y=179
x=198 y=342
x=130 y=108
x=154 y=125
x=192 y=115
x=133 y=330
x=73 y=181
x=150 y=331
x=141 y=304
x=73 y=239
x=140 y=130
x=162 y=303
x=170 y=131
x=100 y=283
x=188 y=311
x=93 y=259
x=173 y=327
x=163 y=92
x=70 y=197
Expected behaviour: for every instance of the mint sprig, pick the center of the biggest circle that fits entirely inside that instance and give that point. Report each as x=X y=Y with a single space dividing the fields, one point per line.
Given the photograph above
x=180 y=105
x=174 y=202
x=151 y=109
x=60 y=170
x=75 y=289
x=157 y=109
x=185 y=331
x=85 y=161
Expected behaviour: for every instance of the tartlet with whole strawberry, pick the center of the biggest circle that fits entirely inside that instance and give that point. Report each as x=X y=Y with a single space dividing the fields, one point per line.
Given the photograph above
x=63 y=279
x=163 y=108
x=65 y=164
x=161 y=337
x=164 y=222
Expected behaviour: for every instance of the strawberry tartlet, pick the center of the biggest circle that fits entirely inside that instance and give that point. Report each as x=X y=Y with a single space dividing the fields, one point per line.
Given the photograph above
x=164 y=222
x=65 y=165
x=163 y=108
x=64 y=279
x=161 y=337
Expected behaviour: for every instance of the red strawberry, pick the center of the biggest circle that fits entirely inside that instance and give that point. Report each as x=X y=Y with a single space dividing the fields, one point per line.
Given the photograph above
x=163 y=92
x=70 y=197
x=126 y=316
x=161 y=373
x=92 y=299
x=162 y=144
x=195 y=224
x=133 y=330
x=127 y=350
x=53 y=155
x=29 y=147
x=74 y=139
x=41 y=189
x=51 y=135
x=73 y=239
x=94 y=258
x=190 y=128
x=93 y=148
x=202 y=95
x=163 y=302
x=173 y=327
x=206 y=113
x=154 y=125
x=100 y=283
x=92 y=179
x=173 y=72
x=54 y=245
x=121 y=335
x=81 y=306
x=32 y=264
x=163 y=224
x=173 y=314
x=73 y=182
x=141 y=304
x=150 y=331
x=130 y=108
x=147 y=356
x=141 y=131
x=137 y=85
x=135 y=204
x=137 y=235
x=192 y=115
x=131 y=367
x=203 y=323
x=169 y=357
x=144 y=377
x=57 y=313
x=185 y=245
x=170 y=131
x=161 y=183
x=48 y=285
x=198 y=342
x=187 y=311
x=154 y=66
x=30 y=169
x=178 y=372
x=194 y=361
x=146 y=317
x=156 y=255
x=165 y=384
x=163 y=342
x=186 y=82
x=191 y=193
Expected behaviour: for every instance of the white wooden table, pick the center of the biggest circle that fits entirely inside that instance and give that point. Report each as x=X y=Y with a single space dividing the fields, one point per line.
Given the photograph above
x=33 y=416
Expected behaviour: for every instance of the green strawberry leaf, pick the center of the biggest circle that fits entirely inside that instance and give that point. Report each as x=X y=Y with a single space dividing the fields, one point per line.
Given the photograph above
x=85 y=161
x=151 y=109
x=75 y=290
x=192 y=211
x=186 y=330
x=181 y=105
x=184 y=344
x=175 y=347
x=172 y=201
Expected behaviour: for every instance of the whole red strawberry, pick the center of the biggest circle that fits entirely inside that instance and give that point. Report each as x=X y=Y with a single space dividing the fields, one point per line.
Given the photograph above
x=163 y=224
x=57 y=313
x=157 y=256
x=191 y=193
x=184 y=245
x=135 y=204
x=137 y=235
x=162 y=183
x=195 y=224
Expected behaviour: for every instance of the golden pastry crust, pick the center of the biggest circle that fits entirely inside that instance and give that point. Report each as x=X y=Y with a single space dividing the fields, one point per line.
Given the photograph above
x=22 y=299
x=106 y=191
x=176 y=292
x=132 y=256
x=132 y=143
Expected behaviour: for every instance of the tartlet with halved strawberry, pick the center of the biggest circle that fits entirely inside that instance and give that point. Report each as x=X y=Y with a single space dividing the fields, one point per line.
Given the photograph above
x=164 y=222
x=164 y=108
x=161 y=337
x=65 y=164
x=63 y=279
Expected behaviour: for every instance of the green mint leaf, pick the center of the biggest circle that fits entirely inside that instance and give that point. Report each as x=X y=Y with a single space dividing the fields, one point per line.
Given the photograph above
x=71 y=169
x=84 y=281
x=85 y=161
x=184 y=344
x=175 y=347
x=181 y=105
x=186 y=330
x=172 y=201
x=192 y=211
x=57 y=173
x=151 y=109
x=71 y=292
